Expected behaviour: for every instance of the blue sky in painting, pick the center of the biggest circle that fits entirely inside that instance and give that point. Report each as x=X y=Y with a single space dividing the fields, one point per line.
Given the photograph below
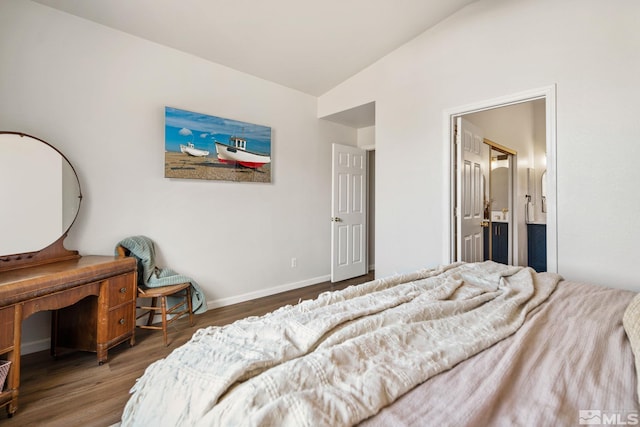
x=183 y=126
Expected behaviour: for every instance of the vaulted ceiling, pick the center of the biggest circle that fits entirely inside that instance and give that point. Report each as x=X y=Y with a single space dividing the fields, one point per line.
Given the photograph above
x=310 y=46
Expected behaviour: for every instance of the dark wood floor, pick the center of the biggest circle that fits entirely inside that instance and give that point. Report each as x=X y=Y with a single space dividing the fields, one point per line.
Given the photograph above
x=74 y=391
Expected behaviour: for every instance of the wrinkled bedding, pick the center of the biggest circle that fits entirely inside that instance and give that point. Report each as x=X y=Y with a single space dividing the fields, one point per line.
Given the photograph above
x=571 y=358
x=341 y=358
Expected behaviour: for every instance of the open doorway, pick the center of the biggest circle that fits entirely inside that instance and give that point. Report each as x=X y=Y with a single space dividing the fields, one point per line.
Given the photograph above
x=535 y=169
x=499 y=201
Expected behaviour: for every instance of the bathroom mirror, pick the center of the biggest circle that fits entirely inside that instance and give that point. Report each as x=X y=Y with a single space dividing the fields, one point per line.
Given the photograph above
x=40 y=200
x=500 y=185
x=500 y=188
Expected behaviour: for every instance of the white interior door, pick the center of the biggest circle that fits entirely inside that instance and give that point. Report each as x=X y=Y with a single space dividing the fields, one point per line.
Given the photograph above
x=348 y=212
x=472 y=165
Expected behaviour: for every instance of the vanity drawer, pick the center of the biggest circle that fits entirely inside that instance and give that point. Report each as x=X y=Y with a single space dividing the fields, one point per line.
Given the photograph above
x=122 y=289
x=120 y=321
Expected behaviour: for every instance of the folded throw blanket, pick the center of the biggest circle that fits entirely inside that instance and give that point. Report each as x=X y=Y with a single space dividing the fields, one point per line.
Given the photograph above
x=151 y=276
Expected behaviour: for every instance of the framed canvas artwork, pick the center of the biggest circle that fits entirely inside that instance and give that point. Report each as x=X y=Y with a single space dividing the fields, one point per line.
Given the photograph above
x=199 y=146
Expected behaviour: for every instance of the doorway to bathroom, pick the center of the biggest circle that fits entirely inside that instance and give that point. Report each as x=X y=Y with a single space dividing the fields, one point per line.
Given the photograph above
x=525 y=123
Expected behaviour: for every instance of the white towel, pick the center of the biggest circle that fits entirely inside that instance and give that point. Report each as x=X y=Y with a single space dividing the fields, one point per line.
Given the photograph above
x=531 y=212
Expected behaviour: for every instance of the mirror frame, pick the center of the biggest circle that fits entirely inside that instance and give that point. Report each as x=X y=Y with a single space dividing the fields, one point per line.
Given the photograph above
x=55 y=251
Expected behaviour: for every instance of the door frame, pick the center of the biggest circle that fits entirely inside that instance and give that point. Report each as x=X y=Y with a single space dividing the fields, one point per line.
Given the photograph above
x=513 y=176
x=548 y=93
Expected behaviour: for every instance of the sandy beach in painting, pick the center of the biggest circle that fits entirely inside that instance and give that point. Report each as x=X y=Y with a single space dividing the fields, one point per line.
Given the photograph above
x=180 y=165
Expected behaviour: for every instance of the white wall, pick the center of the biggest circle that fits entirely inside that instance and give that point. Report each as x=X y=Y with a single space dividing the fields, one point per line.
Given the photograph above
x=366 y=137
x=495 y=48
x=98 y=95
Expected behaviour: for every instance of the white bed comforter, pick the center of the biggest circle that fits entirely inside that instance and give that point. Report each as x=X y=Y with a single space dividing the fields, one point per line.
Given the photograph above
x=340 y=358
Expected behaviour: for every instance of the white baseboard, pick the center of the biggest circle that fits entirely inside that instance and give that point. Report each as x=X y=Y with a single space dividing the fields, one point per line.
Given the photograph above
x=221 y=302
x=35 y=346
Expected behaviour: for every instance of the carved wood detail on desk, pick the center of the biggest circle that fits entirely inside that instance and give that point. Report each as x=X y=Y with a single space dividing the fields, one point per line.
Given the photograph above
x=55 y=252
x=93 y=298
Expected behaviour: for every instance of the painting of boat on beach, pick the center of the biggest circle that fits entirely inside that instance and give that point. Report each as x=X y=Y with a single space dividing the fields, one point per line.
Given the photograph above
x=199 y=146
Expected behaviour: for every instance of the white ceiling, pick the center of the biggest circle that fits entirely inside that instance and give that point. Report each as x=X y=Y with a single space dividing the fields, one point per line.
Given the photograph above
x=311 y=46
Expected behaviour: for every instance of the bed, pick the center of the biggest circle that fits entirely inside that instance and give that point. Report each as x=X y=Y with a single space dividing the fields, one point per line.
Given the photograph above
x=463 y=344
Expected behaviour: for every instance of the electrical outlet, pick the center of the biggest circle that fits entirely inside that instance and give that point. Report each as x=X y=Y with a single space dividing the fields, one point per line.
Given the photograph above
x=294 y=262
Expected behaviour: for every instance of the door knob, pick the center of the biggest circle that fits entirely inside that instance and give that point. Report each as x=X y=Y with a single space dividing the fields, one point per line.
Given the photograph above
x=336 y=219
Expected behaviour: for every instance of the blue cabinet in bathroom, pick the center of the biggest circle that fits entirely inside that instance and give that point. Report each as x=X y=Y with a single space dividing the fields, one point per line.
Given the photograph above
x=537 y=246
x=499 y=242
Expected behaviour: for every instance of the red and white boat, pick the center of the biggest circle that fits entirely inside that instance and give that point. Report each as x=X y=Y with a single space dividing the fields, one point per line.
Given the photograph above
x=236 y=153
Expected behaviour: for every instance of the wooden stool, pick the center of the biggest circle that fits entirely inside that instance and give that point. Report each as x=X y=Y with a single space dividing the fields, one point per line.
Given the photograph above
x=178 y=310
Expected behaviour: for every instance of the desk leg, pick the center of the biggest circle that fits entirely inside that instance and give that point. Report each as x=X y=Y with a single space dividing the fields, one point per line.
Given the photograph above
x=102 y=354
x=132 y=341
x=13 y=382
x=54 y=334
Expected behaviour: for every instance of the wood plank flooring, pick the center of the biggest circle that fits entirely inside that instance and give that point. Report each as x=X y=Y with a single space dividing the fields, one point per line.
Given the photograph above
x=73 y=390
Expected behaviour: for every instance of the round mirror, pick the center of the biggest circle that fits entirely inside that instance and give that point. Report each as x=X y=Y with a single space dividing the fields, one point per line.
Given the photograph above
x=40 y=194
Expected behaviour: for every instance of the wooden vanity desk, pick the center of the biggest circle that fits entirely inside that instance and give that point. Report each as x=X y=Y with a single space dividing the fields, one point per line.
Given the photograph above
x=93 y=298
